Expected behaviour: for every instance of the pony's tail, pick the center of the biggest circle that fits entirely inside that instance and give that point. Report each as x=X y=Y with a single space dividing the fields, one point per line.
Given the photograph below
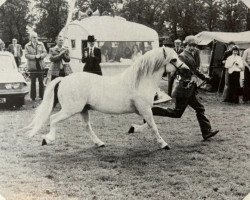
x=45 y=108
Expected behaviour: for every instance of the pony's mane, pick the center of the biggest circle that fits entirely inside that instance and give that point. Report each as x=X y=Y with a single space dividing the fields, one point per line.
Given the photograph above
x=148 y=64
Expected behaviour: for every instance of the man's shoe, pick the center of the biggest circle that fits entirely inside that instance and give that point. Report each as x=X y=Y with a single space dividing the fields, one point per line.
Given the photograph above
x=210 y=134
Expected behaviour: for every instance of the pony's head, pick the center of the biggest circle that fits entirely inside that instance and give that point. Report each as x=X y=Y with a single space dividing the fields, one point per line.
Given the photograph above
x=157 y=61
x=173 y=62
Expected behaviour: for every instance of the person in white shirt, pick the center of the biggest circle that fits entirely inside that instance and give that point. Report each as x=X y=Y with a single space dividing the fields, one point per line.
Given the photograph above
x=234 y=64
x=136 y=53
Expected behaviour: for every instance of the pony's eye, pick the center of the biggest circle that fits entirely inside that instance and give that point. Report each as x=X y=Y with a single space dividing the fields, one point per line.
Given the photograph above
x=173 y=60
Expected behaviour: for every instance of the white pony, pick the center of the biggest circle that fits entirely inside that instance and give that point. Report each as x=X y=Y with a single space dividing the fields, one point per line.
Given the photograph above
x=132 y=91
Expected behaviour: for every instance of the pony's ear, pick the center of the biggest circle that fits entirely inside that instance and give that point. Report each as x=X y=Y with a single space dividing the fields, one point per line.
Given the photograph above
x=164 y=53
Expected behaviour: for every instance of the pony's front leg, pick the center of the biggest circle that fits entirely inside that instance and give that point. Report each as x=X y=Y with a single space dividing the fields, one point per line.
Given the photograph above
x=93 y=136
x=148 y=116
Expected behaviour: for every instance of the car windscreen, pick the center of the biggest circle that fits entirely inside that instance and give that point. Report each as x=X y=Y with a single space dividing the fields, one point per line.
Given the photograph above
x=6 y=64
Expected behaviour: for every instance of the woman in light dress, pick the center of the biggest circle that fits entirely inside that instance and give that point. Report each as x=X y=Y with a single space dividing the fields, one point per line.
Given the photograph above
x=136 y=52
x=234 y=64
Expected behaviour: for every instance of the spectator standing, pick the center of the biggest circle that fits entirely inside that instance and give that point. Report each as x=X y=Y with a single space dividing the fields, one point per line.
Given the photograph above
x=178 y=49
x=2 y=45
x=148 y=47
x=16 y=50
x=59 y=57
x=105 y=54
x=246 y=84
x=35 y=53
x=177 y=46
x=234 y=64
x=225 y=56
x=127 y=53
x=136 y=52
x=92 y=57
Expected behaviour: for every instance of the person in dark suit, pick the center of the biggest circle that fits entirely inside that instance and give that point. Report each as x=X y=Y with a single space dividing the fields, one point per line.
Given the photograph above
x=186 y=91
x=16 y=50
x=92 y=57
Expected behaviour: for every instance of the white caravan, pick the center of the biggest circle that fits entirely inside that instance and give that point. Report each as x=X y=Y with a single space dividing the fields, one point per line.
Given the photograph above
x=116 y=38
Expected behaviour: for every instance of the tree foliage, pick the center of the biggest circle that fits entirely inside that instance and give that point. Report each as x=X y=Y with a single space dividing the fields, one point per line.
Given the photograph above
x=52 y=16
x=101 y=5
x=173 y=18
x=14 y=20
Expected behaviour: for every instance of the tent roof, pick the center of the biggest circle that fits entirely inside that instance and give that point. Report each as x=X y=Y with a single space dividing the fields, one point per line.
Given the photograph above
x=106 y=28
x=205 y=37
x=246 y=2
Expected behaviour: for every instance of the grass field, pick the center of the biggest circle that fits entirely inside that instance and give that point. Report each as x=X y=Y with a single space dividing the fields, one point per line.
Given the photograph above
x=131 y=166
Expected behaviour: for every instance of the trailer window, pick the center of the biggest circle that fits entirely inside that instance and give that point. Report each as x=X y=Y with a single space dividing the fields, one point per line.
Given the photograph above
x=73 y=44
x=113 y=51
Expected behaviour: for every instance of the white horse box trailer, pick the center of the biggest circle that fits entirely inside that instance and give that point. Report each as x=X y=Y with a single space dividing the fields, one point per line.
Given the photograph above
x=116 y=38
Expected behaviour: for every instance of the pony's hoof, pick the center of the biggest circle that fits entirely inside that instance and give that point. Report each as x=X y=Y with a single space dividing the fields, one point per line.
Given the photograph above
x=131 y=130
x=44 y=142
x=100 y=145
x=166 y=147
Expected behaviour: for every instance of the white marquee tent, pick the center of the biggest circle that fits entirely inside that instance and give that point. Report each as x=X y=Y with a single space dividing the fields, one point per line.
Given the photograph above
x=240 y=38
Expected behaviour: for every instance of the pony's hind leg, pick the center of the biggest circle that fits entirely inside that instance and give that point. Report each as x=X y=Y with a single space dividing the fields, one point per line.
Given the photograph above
x=54 y=119
x=138 y=128
x=93 y=136
x=148 y=116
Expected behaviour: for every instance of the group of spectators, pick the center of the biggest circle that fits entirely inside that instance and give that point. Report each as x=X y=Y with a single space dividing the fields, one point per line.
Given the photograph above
x=35 y=53
x=237 y=68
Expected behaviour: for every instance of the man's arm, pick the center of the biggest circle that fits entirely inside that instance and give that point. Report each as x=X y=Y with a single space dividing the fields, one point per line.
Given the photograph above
x=28 y=55
x=244 y=58
x=98 y=55
x=194 y=69
x=44 y=52
x=65 y=56
x=54 y=57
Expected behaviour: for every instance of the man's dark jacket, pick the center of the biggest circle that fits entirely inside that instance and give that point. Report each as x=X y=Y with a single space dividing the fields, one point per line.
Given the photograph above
x=193 y=62
x=92 y=64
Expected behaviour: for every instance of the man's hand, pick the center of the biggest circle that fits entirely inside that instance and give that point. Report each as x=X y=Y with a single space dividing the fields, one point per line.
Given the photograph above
x=38 y=56
x=207 y=79
x=62 y=52
x=194 y=79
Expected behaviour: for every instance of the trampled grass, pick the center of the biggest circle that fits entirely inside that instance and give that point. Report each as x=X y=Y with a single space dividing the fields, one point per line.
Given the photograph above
x=131 y=166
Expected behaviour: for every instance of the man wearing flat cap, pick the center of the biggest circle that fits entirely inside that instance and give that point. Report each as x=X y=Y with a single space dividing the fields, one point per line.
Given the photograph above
x=185 y=92
x=92 y=57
